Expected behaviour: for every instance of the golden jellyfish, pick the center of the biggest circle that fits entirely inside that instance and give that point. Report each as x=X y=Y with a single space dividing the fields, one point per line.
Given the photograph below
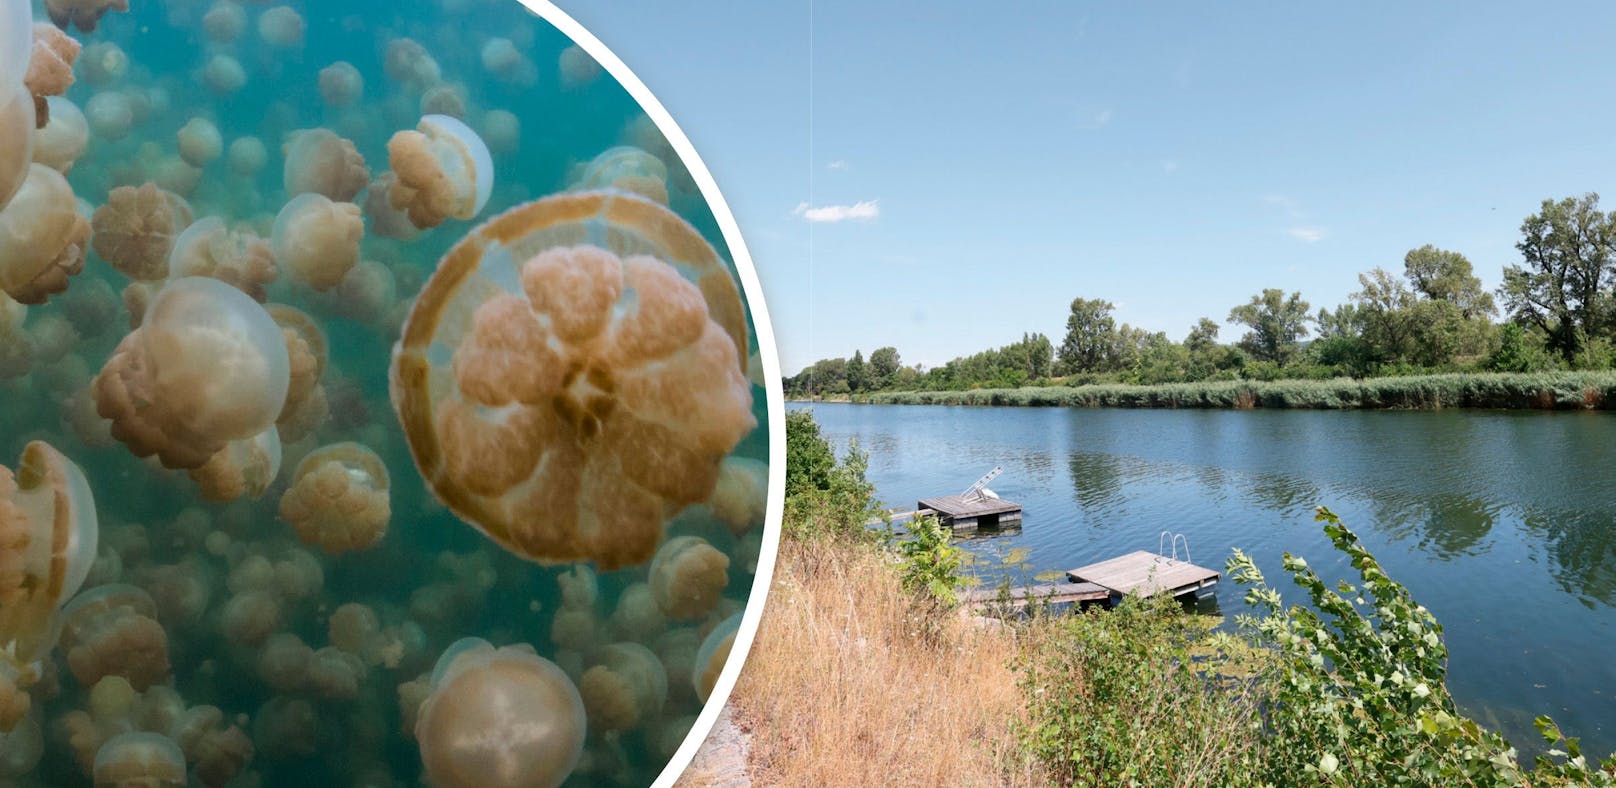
x=408 y=63
x=48 y=536
x=207 y=366
x=139 y=759
x=176 y=175
x=16 y=37
x=367 y=294
x=712 y=656
x=242 y=469
x=50 y=68
x=112 y=630
x=21 y=750
x=306 y=350
x=16 y=343
x=499 y=718
x=17 y=130
x=741 y=498
x=502 y=59
x=385 y=220
x=223 y=75
x=224 y=22
x=630 y=169
x=200 y=142
x=316 y=240
x=42 y=237
x=60 y=142
x=103 y=63
x=238 y=258
x=135 y=230
x=83 y=14
x=320 y=162
x=577 y=67
x=248 y=155
x=341 y=84
x=443 y=171
x=281 y=26
x=566 y=398
x=502 y=130
x=338 y=500
x=637 y=615
x=444 y=99
x=688 y=577
x=625 y=689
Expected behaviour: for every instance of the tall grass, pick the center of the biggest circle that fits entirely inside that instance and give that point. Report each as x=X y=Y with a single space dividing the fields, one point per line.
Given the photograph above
x=1539 y=391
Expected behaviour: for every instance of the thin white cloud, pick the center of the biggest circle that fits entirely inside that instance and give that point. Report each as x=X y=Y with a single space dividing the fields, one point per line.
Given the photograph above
x=1169 y=166
x=1306 y=234
x=864 y=210
x=839 y=164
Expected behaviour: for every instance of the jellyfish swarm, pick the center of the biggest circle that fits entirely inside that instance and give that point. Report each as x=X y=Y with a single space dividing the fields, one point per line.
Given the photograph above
x=572 y=375
x=206 y=367
x=443 y=170
x=48 y=535
x=499 y=718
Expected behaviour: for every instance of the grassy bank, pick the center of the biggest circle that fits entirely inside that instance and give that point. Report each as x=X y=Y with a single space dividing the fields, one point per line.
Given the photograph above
x=1535 y=391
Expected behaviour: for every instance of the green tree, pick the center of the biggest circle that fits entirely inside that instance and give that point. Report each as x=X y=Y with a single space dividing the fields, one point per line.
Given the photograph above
x=809 y=458
x=1203 y=337
x=1563 y=286
x=1040 y=355
x=824 y=497
x=884 y=366
x=1090 y=331
x=1441 y=275
x=930 y=564
x=1276 y=323
x=1519 y=351
x=858 y=377
x=1385 y=310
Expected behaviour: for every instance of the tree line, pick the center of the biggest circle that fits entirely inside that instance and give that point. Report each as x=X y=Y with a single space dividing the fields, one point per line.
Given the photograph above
x=1556 y=309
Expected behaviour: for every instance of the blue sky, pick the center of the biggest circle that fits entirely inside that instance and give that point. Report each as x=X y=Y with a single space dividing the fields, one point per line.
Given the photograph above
x=1174 y=158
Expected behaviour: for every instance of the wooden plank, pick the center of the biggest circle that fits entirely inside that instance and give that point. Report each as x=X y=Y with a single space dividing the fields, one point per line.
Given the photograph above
x=955 y=506
x=1144 y=572
x=1052 y=592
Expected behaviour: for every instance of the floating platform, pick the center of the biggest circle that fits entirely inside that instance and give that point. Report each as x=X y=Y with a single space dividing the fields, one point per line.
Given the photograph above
x=1051 y=593
x=966 y=513
x=1143 y=573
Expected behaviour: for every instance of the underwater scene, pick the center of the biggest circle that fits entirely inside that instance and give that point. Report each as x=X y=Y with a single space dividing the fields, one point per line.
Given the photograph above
x=379 y=403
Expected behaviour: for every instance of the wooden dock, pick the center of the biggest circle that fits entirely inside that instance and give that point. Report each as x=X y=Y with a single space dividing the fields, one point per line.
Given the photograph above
x=959 y=512
x=1143 y=573
x=1021 y=596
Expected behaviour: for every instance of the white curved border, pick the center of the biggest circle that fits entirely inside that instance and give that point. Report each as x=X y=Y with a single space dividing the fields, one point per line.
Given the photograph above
x=766 y=352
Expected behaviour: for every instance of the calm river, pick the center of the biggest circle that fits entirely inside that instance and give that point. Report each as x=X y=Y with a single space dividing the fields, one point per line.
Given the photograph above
x=1502 y=523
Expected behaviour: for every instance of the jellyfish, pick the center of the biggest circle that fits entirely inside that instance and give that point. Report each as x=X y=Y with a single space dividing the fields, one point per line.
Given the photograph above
x=443 y=170
x=286 y=728
x=224 y=22
x=112 y=630
x=742 y=494
x=366 y=295
x=83 y=14
x=677 y=649
x=320 y=162
x=16 y=37
x=21 y=749
x=712 y=656
x=103 y=63
x=42 y=237
x=444 y=99
x=242 y=469
x=502 y=131
x=50 y=68
x=48 y=536
x=619 y=384
x=248 y=156
x=408 y=63
x=502 y=59
x=223 y=74
x=630 y=169
x=688 y=576
x=354 y=628
x=238 y=258
x=17 y=152
x=207 y=366
x=53 y=338
x=341 y=84
x=135 y=230
x=385 y=220
x=338 y=499
x=316 y=240
x=283 y=662
x=334 y=674
x=281 y=26
x=306 y=351
x=200 y=142
x=110 y=115
x=577 y=67
x=637 y=615
x=625 y=689
x=250 y=617
x=176 y=175
x=60 y=142
x=140 y=759
x=182 y=591
x=499 y=718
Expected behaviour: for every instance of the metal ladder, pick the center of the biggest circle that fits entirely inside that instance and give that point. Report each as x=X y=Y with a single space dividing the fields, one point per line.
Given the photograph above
x=1163 y=540
x=974 y=492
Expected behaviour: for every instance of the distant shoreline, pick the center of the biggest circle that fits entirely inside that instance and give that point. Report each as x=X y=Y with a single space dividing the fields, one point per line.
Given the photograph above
x=1492 y=391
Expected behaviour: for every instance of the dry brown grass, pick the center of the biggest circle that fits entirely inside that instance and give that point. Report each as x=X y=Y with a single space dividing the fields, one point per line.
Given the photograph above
x=852 y=681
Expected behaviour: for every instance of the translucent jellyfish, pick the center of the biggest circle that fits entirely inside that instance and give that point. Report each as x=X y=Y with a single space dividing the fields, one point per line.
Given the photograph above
x=742 y=495
x=224 y=22
x=354 y=628
x=677 y=648
x=224 y=75
x=242 y=469
x=688 y=577
x=385 y=220
x=443 y=170
x=42 y=237
x=48 y=535
x=140 y=759
x=103 y=63
x=176 y=175
x=320 y=162
x=338 y=499
x=577 y=67
x=366 y=295
x=135 y=230
x=502 y=131
x=712 y=656
x=21 y=749
x=248 y=156
x=16 y=343
x=306 y=351
x=444 y=99
x=408 y=63
x=341 y=84
x=83 y=14
x=207 y=366
x=499 y=718
x=112 y=630
x=630 y=169
x=60 y=143
x=316 y=240
x=617 y=376
x=16 y=36
x=110 y=115
x=503 y=60
x=50 y=69
x=17 y=129
x=238 y=258
x=251 y=617
x=625 y=689
x=281 y=26
x=200 y=142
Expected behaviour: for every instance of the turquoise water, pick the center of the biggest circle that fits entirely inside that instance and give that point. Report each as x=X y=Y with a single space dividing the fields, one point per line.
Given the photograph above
x=432 y=579
x=1500 y=522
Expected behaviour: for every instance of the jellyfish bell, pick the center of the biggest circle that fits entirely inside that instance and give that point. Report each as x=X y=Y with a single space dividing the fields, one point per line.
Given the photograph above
x=316 y=240
x=83 y=14
x=16 y=37
x=628 y=168
x=140 y=759
x=444 y=99
x=443 y=170
x=110 y=115
x=112 y=630
x=50 y=68
x=502 y=130
x=338 y=499
x=688 y=577
x=224 y=75
x=741 y=498
x=242 y=469
x=61 y=141
x=200 y=142
x=320 y=162
x=499 y=718
x=135 y=230
x=237 y=257
x=617 y=374
x=248 y=156
x=42 y=237
x=224 y=22
x=207 y=366
x=17 y=131
x=408 y=63
x=103 y=63
x=281 y=26
x=626 y=689
x=341 y=84
x=577 y=67
x=385 y=220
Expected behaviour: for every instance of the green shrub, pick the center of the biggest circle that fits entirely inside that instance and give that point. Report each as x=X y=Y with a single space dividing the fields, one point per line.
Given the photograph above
x=930 y=564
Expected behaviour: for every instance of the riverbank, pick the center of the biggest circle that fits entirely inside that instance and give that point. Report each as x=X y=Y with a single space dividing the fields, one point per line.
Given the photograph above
x=1517 y=391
